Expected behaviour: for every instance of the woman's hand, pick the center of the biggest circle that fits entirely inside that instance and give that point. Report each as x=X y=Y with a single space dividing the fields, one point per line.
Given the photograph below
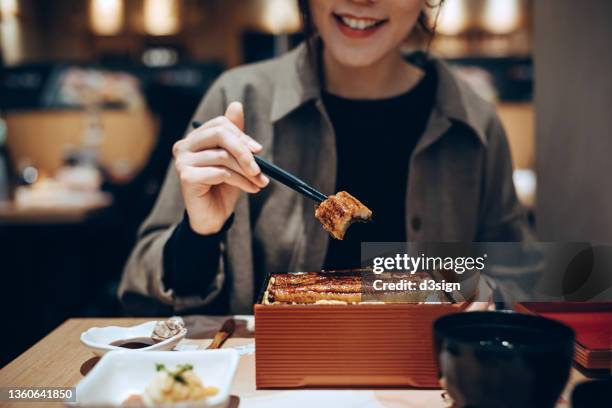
x=214 y=163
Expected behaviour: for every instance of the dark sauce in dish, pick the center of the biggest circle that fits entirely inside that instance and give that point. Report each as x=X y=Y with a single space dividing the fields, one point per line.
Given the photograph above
x=134 y=343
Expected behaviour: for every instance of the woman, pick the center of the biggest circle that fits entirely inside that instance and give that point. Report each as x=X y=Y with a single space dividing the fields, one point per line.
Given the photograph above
x=345 y=112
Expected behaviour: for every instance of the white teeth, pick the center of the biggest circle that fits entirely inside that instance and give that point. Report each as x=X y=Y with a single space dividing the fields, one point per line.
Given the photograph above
x=358 y=23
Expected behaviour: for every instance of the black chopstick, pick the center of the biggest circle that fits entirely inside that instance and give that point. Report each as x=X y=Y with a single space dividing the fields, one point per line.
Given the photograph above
x=283 y=176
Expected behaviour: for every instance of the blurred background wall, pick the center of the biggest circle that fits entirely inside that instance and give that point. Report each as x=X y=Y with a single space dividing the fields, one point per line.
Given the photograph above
x=83 y=30
x=573 y=99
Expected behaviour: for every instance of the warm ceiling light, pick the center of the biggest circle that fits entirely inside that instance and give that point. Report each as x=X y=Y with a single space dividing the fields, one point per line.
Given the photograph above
x=502 y=16
x=452 y=17
x=8 y=8
x=161 y=17
x=106 y=16
x=280 y=16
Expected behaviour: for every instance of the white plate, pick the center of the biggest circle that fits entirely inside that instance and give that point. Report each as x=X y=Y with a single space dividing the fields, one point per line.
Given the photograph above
x=120 y=374
x=99 y=338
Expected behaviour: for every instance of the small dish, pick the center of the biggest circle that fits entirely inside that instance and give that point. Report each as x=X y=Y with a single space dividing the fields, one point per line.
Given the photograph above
x=99 y=339
x=121 y=374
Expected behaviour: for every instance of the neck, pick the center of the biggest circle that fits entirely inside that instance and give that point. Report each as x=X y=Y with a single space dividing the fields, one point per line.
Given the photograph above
x=386 y=78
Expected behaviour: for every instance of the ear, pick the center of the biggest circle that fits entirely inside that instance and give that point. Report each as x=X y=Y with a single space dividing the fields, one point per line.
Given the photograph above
x=235 y=113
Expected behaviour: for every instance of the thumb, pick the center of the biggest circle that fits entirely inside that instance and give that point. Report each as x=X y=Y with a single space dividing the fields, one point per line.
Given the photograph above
x=235 y=113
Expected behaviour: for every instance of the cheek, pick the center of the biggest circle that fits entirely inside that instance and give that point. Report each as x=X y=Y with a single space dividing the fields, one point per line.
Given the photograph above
x=320 y=10
x=404 y=17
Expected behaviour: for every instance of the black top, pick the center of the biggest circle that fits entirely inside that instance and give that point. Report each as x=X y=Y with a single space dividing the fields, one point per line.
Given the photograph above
x=374 y=142
x=188 y=254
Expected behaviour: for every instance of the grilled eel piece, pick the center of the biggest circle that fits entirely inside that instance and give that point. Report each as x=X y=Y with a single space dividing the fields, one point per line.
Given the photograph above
x=285 y=295
x=322 y=287
x=283 y=279
x=339 y=211
x=314 y=287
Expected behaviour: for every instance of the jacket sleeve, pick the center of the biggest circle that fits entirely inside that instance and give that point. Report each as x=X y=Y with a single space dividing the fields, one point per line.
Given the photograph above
x=502 y=216
x=142 y=290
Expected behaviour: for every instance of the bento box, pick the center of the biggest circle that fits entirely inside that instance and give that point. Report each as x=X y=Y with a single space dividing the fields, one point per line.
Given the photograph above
x=346 y=345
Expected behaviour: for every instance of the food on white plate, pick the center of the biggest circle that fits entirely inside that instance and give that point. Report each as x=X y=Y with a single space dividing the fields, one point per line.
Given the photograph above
x=165 y=329
x=339 y=211
x=172 y=386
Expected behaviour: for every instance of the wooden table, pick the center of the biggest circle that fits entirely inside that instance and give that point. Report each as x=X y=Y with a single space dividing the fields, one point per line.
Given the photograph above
x=59 y=360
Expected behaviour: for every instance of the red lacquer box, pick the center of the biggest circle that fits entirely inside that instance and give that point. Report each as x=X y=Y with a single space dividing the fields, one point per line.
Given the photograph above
x=347 y=345
x=592 y=322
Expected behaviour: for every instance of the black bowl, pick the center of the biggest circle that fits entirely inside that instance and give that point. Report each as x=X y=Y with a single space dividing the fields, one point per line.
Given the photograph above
x=503 y=359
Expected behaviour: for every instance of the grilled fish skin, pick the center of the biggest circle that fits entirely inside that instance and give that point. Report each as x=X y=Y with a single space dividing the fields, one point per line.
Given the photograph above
x=339 y=211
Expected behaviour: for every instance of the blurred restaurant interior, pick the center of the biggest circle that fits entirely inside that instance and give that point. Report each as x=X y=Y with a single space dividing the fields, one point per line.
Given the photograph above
x=94 y=93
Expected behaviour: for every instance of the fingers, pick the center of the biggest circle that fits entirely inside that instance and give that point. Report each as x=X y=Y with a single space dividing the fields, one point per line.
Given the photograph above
x=234 y=119
x=235 y=113
x=218 y=157
x=219 y=136
x=231 y=126
x=220 y=150
x=214 y=175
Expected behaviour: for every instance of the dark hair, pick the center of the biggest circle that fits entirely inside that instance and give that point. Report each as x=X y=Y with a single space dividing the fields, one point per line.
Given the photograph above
x=422 y=21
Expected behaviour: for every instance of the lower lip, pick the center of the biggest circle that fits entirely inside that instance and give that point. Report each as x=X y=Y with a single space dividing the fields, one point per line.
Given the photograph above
x=353 y=33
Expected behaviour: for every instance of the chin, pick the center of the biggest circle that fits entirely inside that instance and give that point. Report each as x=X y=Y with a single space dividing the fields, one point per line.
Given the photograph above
x=356 y=58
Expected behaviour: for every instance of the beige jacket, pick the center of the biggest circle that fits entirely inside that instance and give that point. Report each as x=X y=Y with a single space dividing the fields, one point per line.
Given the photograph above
x=460 y=184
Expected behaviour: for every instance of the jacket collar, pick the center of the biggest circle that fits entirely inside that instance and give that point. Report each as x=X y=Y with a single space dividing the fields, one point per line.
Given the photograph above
x=298 y=83
x=456 y=101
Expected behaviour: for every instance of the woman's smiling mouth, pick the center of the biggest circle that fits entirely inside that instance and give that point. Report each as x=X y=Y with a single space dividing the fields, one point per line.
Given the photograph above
x=358 y=27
